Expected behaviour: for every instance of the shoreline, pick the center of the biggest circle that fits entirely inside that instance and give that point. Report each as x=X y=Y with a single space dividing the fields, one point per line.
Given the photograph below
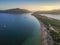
x=52 y=25
x=46 y=38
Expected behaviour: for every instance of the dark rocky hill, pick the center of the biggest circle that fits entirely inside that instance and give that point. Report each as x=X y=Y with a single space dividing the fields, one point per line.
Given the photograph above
x=15 y=11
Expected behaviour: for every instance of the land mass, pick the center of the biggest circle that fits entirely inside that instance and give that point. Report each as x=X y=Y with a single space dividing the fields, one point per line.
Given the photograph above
x=52 y=25
x=57 y=11
x=15 y=11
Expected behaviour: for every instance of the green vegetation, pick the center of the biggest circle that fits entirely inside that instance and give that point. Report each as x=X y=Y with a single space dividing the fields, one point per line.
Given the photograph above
x=54 y=23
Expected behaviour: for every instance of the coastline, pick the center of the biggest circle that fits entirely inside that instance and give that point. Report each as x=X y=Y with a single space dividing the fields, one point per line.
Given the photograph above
x=52 y=26
x=46 y=38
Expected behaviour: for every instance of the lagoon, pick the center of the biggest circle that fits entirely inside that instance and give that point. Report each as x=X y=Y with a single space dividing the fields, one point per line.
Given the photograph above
x=54 y=16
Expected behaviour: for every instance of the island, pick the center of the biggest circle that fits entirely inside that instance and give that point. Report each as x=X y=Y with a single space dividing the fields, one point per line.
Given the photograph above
x=15 y=11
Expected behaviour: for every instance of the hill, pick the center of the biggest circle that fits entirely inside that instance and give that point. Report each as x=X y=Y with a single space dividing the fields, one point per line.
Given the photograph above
x=15 y=11
x=48 y=12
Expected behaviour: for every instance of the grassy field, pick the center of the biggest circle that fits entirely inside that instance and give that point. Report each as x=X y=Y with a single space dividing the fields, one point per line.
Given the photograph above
x=54 y=23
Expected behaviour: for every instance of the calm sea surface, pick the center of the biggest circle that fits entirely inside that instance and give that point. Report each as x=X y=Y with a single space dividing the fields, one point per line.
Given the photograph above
x=19 y=29
x=52 y=16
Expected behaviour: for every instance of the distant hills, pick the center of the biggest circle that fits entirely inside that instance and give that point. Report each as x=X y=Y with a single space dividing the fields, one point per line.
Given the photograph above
x=21 y=11
x=15 y=11
x=48 y=12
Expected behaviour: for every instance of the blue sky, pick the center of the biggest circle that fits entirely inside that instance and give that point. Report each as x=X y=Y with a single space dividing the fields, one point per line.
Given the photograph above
x=28 y=4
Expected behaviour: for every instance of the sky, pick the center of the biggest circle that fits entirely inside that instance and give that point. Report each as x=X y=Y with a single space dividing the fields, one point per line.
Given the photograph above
x=30 y=4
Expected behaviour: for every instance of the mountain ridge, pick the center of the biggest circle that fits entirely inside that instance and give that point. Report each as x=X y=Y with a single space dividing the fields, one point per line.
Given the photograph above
x=15 y=11
x=57 y=11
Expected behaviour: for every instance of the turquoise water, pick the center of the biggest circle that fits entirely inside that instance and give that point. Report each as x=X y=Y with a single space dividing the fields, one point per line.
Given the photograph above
x=19 y=29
